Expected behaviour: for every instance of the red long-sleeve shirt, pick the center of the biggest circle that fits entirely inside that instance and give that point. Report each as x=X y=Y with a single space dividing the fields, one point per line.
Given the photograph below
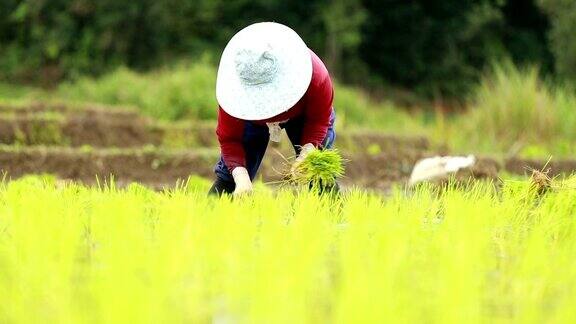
x=315 y=106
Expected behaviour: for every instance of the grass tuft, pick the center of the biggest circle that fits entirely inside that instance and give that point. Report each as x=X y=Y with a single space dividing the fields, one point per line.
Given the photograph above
x=513 y=110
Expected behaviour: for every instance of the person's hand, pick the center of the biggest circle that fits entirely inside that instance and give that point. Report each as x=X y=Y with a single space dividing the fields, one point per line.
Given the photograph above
x=242 y=180
x=304 y=151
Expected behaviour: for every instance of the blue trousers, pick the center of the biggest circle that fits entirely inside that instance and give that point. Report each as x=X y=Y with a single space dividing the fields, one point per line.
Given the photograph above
x=255 y=142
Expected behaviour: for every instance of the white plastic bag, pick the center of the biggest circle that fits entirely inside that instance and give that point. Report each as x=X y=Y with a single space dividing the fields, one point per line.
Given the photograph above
x=439 y=167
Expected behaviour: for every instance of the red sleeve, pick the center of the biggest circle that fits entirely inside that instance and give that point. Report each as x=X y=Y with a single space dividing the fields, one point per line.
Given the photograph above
x=318 y=111
x=230 y=131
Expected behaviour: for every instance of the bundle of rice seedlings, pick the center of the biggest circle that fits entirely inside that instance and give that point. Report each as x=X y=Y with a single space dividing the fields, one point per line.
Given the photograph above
x=319 y=168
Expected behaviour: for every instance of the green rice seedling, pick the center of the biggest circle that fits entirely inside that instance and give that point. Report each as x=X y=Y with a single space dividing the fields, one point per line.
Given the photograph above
x=319 y=167
x=76 y=254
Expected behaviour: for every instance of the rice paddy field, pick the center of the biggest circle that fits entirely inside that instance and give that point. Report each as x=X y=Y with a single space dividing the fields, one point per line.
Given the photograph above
x=148 y=248
x=481 y=253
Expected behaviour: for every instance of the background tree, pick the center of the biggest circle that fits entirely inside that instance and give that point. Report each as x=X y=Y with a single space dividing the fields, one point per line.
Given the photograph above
x=434 y=48
x=343 y=20
x=562 y=35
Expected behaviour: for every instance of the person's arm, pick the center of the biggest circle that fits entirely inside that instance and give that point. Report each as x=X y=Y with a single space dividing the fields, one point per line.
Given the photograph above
x=230 y=131
x=316 y=119
x=317 y=113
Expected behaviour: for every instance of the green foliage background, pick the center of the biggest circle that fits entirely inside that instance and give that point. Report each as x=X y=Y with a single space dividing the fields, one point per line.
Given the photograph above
x=562 y=34
x=437 y=48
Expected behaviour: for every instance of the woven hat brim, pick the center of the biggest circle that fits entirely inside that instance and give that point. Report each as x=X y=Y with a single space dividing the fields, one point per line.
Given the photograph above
x=263 y=101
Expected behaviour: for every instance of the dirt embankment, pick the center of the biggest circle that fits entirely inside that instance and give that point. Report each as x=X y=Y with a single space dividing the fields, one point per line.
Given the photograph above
x=159 y=168
x=102 y=127
x=555 y=167
x=149 y=167
x=38 y=108
x=93 y=141
x=61 y=125
x=97 y=131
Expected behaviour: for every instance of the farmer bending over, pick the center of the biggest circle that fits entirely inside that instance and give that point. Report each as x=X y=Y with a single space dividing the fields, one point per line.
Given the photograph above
x=268 y=80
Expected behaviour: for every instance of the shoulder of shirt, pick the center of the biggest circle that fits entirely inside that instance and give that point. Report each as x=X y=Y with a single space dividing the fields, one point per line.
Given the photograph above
x=319 y=71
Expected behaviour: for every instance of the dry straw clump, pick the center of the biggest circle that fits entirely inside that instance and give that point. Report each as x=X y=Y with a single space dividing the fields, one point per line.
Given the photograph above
x=540 y=181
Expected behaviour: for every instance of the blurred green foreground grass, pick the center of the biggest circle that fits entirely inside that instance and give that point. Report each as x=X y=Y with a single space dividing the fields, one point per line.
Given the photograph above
x=73 y=254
